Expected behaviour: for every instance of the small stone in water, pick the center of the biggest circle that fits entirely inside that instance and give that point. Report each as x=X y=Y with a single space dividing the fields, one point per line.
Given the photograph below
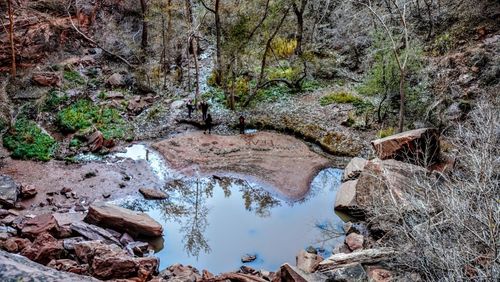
x=312 y=250
x=248 y=258
x=106 y=195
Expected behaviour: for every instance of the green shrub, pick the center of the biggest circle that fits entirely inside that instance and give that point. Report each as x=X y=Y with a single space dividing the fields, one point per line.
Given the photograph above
x=84 y=114
x=385 y=132
x=273 y=93
x=52 y=101
x=73 y=77
x=27 y=141
x=341 y=97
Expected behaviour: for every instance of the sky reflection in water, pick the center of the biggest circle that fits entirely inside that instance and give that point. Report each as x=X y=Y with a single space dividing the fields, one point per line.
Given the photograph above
x=210 y=223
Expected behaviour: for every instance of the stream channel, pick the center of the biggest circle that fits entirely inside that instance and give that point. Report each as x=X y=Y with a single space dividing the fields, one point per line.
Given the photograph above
x=211 y=222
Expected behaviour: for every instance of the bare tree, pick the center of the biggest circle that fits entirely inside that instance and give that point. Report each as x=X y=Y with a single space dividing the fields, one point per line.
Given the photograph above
x=218 y=40
x=11 y=37
x=400 y=53
x=193 y=44
x=144 y=38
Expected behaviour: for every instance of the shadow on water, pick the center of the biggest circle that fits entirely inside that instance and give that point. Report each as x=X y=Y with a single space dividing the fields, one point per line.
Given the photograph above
x=211 y=222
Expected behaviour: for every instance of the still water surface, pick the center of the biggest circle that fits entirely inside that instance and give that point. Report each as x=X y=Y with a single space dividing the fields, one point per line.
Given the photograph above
x=211 y=222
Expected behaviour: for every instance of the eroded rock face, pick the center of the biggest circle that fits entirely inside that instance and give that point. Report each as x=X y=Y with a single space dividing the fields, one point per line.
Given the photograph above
x=18 y=268
x=419 y=146
x=123 y=220
x=8 y=191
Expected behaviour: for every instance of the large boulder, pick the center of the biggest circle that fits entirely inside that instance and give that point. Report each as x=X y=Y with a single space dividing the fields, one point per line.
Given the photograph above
x=354 y=168
x=18 y=268
x=9 y=191
x=123 y=220
x=355 y=197
x=419 y=146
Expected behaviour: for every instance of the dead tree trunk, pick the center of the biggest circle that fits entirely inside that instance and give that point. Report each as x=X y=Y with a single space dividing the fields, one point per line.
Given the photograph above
x=11 y=37
x=144 y=38
x=193 y=45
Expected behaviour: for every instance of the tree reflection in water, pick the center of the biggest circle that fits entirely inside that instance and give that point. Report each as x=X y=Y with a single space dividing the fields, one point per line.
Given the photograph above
x=187 y=205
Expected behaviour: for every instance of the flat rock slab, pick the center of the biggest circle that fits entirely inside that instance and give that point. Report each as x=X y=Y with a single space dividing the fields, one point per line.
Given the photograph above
x=153 y=194
x=8 y=191
x=273 y=160
x=123 y=220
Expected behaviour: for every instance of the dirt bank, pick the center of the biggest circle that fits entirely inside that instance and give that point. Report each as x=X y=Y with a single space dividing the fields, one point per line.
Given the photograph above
x=87 y=182
x=273 y=160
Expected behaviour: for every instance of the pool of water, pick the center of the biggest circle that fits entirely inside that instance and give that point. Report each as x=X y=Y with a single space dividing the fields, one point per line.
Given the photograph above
x=211 y=222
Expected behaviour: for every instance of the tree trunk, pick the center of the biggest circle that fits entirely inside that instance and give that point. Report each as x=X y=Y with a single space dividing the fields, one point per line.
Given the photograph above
x=299 y=13
x=193 y=45
x=144 y=41
x=402 y=99
x=11 y=37
x=218 y=66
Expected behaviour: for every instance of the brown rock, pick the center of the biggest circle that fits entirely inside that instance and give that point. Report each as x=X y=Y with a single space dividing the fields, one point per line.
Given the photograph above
x=68 y=266
x=95 y=141
x=112 y=265
x=147 y=267
x=44 y=223
x=379 y=275
x=308 y=262
x=28 y=191
x=64 y=221
x=153 y=194
x=179 y=272
x=419 y=146
x=116 y=80
x=292 y=274
x=10 y=246
x=354 y=241
x=354 y=168
x=44 y=249
x=345 y=199
x=47 y=79
x=21 y=243
x=123 y=220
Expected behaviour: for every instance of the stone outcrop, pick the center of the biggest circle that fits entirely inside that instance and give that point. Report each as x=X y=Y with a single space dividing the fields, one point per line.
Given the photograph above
x=419 y=146
x=18 y=268
x=8 y=191
x=123 y=220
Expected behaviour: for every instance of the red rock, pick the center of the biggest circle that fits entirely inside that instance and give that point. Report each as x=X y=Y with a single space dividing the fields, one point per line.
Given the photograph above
x=147 y=267
x=28 y=191
x=96 y=141
x=123 y=220
x=47 y=79
x=68 y=266
x=10 y=246
x=419 y=146
x=354 y=241
x=40 y=224
x=44 y=249
x=16 y=244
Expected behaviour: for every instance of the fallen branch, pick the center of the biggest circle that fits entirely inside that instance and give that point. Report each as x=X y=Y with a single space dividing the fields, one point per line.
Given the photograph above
x=363 y=256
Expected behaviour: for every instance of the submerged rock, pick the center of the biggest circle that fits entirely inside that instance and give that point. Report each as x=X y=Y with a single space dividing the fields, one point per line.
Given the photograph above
x=153 y=194
x=123 y=220
x=248 y=258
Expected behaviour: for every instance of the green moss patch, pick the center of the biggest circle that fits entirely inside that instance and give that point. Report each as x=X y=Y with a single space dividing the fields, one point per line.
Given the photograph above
x=27 y=141
x=84 y=114
x=340 y=98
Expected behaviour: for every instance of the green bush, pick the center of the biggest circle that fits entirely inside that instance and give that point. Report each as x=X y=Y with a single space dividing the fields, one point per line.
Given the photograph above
x=73 y=77
x=341 y=97
x=84 y=114
x=27 y=141
x=52 y=101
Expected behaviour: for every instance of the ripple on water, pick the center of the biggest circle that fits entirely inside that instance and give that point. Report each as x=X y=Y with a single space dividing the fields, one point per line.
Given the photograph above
x=210 y=223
